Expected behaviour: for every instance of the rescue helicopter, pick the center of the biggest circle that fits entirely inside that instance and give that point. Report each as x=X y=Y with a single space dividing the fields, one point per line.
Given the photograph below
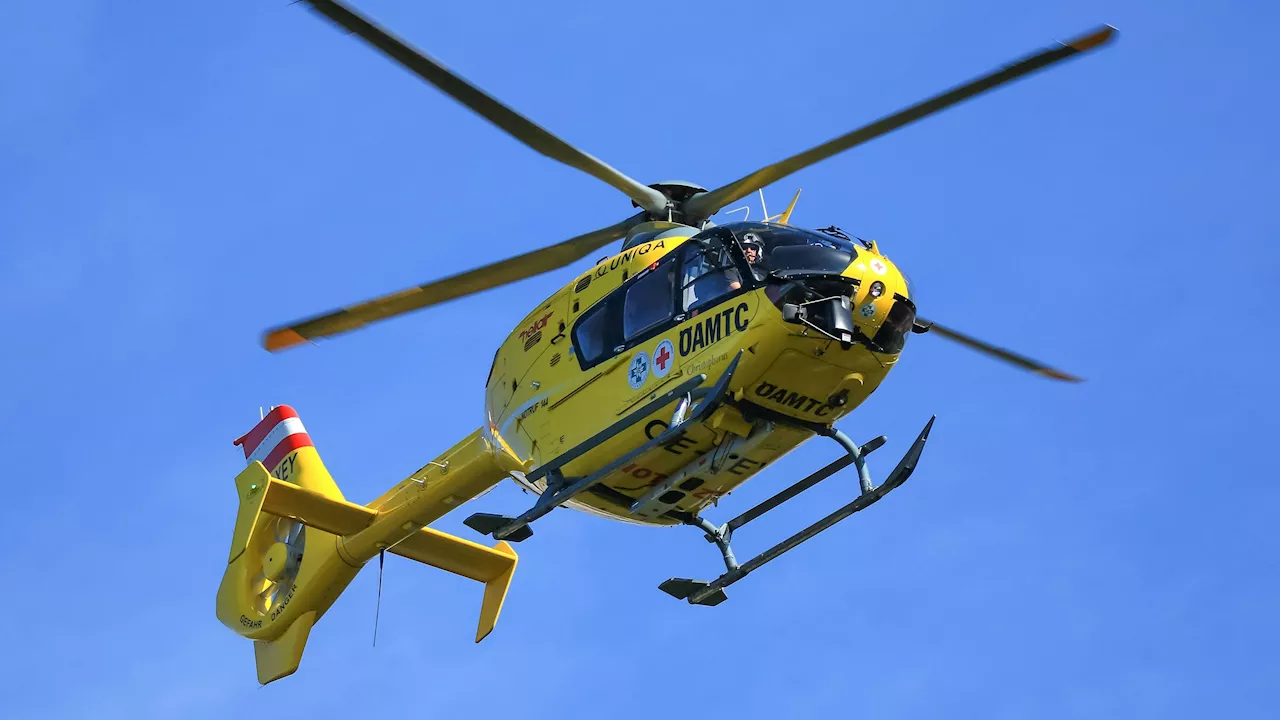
x=645 y=390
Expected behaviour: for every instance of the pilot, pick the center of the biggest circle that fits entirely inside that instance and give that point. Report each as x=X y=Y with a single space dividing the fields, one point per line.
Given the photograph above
x=754 y=250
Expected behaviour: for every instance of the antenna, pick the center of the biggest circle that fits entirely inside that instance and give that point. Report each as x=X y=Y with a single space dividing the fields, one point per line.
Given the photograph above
x=382 y=556
x=785 y=217
x=746 y=211
x=763 y=209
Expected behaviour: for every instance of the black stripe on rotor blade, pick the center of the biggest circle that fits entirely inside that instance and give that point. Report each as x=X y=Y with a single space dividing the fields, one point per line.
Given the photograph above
x=515 y=124
x=708 y=204
x=433 y=293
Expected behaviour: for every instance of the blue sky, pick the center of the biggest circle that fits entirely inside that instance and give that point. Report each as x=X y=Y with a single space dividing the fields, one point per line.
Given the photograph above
x=175 y=177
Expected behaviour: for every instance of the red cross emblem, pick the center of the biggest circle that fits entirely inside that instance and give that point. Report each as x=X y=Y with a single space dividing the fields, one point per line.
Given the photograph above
x=662 y=358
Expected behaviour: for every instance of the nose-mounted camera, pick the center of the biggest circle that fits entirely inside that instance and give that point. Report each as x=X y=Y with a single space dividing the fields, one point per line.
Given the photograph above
x=833 y=317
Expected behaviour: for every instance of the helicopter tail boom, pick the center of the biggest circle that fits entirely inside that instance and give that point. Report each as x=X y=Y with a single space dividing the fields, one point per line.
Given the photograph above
x=298 y=542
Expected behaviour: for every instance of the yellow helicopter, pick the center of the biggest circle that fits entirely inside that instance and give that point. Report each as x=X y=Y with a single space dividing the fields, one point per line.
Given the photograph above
x=645 y=390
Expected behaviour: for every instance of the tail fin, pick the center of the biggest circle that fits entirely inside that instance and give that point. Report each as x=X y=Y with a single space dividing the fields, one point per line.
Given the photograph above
x=298 y=543
x=281 y=443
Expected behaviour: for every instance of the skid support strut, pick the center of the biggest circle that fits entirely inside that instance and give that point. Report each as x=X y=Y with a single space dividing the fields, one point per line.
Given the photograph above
x=560 y=488
x=699 y=592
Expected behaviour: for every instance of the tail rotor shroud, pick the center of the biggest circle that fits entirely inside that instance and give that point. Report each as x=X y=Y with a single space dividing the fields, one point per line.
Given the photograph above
x=298 y=542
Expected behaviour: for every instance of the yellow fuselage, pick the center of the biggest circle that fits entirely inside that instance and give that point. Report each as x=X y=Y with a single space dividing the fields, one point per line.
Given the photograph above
x=540 y=402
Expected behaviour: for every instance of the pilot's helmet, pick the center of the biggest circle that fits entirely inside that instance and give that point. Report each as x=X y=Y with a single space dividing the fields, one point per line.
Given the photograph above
x=751 y=241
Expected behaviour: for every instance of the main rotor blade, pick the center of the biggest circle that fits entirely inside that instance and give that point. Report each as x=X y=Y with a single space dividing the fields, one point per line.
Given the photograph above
x=703 y=206
x=433 y=293
x=515 y=124
x=1021 y=361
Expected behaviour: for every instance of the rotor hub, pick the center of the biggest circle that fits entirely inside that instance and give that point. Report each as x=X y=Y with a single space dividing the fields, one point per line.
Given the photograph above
x=677 y=193
x=278 y=561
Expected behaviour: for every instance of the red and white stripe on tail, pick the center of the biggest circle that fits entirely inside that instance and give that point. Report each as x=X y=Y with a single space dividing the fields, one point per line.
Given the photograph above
x=281 y=443
x=271 y=440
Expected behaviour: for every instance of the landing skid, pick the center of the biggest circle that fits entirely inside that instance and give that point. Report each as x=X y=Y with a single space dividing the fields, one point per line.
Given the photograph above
x=699 y=592
x=561 y=489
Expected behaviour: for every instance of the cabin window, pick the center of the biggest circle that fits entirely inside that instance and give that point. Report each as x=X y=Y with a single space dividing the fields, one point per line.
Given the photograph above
x=708 y=274
x=591 y=337
x=649 y=303
x=634 y=312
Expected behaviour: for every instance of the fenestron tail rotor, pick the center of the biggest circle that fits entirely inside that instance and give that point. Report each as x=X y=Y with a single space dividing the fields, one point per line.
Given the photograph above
x=298 y=543
x=278 y=556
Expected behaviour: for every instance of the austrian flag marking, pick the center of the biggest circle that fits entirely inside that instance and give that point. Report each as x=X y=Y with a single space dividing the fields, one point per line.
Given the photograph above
x=278 y=434
x=663 y=357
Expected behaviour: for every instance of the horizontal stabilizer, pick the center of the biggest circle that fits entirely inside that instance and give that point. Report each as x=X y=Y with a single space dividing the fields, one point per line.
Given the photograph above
x=492 y=566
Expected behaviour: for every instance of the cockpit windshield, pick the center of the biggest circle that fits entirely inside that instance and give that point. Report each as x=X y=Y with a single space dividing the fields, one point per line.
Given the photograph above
x=786 y=251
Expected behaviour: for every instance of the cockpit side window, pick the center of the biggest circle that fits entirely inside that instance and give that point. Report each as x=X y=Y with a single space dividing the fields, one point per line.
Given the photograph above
x=591 y=336
x=784 y=251
x=708 y=274
x=649 y=302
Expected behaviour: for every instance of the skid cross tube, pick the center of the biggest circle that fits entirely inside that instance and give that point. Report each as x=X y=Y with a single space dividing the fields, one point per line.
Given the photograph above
x=712 y=593
x=852 y=452
x=516 y=529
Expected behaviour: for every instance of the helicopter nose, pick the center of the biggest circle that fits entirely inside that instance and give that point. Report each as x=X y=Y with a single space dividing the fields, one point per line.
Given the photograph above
x=878 y=282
